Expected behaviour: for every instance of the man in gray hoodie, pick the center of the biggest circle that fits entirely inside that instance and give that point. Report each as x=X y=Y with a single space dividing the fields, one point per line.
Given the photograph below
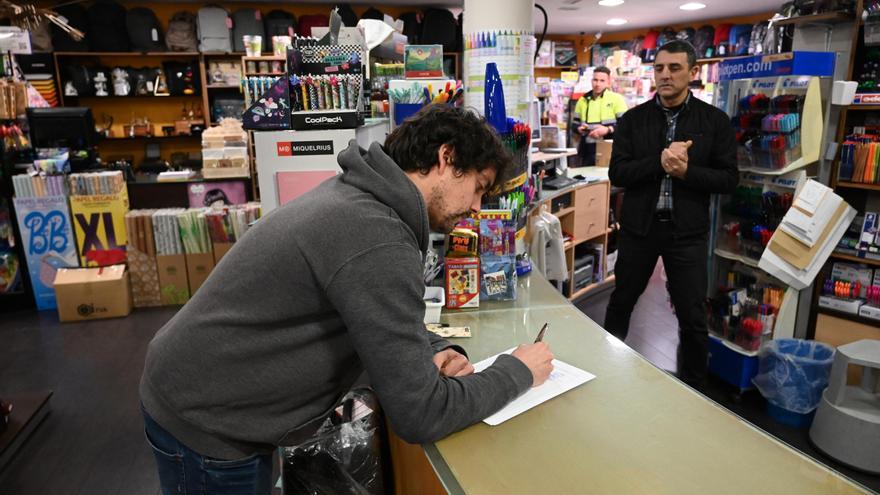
x=318 y=291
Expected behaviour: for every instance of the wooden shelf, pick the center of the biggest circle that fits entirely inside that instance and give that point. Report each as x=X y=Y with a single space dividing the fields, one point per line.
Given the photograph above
x=847 y=316
x=592 y=287
x=558 y=67
x=266 y=58
x=563 y=212
x=257 y=74
x=127 y=54
x=224 y=54
x=223 y=86
x=859 y=185
x=856 y=259
x=825 y=18
x=145 y=138
x=867 y=108
x=130 y=97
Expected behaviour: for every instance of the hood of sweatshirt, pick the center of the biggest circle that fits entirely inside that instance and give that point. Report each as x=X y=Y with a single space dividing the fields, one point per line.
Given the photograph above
x=374 y=172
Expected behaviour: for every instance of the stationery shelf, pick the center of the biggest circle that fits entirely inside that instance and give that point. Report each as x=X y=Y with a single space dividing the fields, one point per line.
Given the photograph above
x=859 y=185
x=128 y=54
x=728 y=255
x=848 y=316
x=223 y=86
x=609 y=280
x=825 y=18
x=147 y=138
x=129 y=97
x=857 y=259
x=863 y=107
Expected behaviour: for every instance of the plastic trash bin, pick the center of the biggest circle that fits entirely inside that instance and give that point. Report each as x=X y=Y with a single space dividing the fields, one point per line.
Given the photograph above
x=792 y=373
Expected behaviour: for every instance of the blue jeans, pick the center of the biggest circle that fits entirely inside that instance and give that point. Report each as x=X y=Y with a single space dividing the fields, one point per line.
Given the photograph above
x=183 y=471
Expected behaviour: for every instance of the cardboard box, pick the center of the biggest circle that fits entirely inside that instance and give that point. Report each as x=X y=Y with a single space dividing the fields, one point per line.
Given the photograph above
x=603 y=153
x=92 y=293
x=173 y=280
x=198 y=267
x=220 y=250
x=462 y=283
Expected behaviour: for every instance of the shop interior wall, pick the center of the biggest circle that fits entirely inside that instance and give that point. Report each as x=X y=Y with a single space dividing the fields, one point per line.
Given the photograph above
x=585 y=40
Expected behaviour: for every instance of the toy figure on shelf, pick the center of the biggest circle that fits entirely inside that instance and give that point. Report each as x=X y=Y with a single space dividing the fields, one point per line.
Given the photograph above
x=101 y=85
x=160 y=87
x=121 y=86
x=70 y=89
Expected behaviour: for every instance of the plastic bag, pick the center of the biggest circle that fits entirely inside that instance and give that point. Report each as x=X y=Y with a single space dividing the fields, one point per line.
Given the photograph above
x=344 y=456
x=792 y=373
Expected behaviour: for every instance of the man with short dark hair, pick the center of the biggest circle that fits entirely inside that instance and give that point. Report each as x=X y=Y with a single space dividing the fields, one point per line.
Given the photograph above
x=320 y=290
x=595 y=115
x=670 y=154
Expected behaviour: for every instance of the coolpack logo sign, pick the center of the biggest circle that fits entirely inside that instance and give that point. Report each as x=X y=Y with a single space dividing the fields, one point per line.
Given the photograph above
x=290 y=148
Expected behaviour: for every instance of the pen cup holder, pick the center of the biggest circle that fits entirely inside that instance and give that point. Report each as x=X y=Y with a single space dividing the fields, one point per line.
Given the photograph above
x=402 y=111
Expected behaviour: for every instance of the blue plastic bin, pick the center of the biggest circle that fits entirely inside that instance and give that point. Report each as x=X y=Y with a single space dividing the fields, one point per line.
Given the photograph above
x=792 y=374
x=730 y=365
x=404 y=110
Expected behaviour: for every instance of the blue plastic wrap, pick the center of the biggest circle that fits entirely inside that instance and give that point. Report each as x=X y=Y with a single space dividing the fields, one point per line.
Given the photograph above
x=792 y=373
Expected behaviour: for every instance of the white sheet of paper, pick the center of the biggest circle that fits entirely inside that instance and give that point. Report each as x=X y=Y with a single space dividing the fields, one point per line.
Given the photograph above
x=810 y=196
x=563 y=378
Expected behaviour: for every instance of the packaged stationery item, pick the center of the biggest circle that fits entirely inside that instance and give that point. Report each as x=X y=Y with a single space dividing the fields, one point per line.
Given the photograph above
x=462 y=283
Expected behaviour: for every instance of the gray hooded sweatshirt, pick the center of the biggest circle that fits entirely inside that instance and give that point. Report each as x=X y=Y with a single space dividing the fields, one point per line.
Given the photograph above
x=319 y=290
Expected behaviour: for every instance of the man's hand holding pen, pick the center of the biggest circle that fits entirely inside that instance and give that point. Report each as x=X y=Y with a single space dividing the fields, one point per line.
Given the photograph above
x=674 y=159
x=537 y=357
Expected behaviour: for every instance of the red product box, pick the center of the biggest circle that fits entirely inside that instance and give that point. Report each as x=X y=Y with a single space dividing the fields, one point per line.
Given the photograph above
x=462 y=283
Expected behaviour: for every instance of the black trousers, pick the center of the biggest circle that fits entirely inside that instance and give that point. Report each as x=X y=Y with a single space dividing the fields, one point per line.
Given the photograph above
x=685 y=260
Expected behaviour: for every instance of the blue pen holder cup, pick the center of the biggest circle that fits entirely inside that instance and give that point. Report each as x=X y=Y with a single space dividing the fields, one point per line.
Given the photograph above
x=402 y=111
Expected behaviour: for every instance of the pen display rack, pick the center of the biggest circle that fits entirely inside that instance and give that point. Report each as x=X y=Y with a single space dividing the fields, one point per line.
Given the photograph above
x=514 y=54
x=778 y=122
x=750 y=215
x=745 y=306
x=860 y=156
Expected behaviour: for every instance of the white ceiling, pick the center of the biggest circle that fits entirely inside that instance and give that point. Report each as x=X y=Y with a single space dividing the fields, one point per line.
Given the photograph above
x=589 y=17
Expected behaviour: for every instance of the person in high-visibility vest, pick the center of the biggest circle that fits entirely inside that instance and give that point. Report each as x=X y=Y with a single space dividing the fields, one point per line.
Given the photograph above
x=596 y=114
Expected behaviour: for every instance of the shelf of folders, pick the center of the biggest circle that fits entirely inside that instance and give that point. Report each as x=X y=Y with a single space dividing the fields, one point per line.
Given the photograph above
x=407 y=96
x=173 y=250
x=778 y=123
x=860 y=156
x=322 y=89
x=43 y=213
x=98 y=204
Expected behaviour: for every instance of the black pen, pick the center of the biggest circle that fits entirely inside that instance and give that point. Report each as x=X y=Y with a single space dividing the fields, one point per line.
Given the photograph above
x=540 y=336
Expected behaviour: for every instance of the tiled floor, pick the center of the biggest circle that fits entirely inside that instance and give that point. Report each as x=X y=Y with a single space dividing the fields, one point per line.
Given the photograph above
x=653 y=333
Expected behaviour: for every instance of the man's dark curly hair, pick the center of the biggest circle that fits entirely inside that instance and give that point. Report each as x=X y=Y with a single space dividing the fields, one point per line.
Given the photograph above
x=475 y=145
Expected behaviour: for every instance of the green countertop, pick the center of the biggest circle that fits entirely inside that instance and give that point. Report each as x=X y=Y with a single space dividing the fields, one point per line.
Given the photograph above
x=633 y=429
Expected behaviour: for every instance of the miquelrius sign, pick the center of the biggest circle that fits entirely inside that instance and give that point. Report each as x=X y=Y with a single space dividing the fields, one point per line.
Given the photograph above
x=290 y=148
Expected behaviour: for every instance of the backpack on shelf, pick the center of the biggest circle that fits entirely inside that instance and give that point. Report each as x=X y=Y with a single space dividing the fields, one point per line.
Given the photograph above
x=756 y=41
x=77 y=17
x=349 y=18
x=686 y=34
x=279 y=23
x=247 y=22
x=636 y=45
x=307 y=22
x=722 y=40
x=439 y=27
x=107 y=27
x=704 y=40
x=649 y=46
x=373 y=13
x=740 y=35
x=182 y=35
x=215 y=30
x=144 y=31
x=666 y=35
x=412 y=27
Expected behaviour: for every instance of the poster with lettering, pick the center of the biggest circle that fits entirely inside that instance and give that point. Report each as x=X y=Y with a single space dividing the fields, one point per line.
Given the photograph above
x=47 y=236
x=99 y=226
x=224 y=193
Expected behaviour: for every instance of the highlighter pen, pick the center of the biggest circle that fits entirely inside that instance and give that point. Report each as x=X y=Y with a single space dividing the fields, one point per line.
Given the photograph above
x=540 y=336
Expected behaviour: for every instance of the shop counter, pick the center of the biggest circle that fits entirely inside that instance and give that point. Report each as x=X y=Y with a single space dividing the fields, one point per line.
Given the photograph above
x=632 y=429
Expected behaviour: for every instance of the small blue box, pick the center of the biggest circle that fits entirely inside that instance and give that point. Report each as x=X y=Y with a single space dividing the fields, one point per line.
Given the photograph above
x=790 y=418
x=730 y=365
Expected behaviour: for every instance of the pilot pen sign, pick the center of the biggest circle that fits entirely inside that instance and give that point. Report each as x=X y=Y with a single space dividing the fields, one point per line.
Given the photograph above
x=289 y=148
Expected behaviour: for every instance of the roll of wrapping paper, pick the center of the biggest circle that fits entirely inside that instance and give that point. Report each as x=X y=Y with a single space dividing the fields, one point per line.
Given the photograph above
x=334 y=86
x=313 y=94
x=353 y=91
x=343 y=101
x=295 y=102
x=303 y=85
x=321 y=101
x=194 y=231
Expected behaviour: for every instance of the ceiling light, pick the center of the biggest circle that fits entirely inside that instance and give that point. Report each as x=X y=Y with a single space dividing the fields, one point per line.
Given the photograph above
x=692 y=6
x=615 y=22
x=610 y=3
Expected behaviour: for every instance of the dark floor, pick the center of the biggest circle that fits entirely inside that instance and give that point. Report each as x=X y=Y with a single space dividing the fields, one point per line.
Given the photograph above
x=92 y=441
x=653 y=333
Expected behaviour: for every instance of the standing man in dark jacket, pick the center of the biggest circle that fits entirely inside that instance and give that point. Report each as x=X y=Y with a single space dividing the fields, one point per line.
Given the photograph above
x=670 y=154
x=318 y=291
